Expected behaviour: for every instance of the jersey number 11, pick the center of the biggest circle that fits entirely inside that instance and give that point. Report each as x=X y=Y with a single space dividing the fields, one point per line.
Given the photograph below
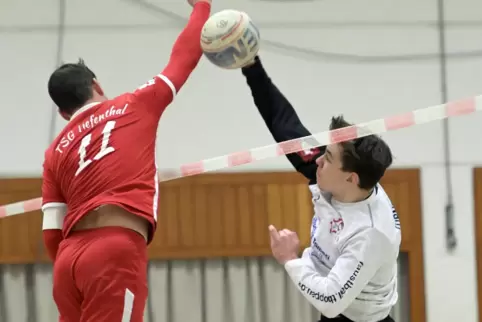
x=104 y=148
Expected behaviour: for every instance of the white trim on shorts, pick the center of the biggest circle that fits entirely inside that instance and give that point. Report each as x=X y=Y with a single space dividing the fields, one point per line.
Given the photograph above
x=128 y=306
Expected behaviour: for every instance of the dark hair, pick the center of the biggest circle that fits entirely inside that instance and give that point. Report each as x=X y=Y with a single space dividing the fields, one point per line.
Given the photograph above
x=368 y=156
x=70 y=86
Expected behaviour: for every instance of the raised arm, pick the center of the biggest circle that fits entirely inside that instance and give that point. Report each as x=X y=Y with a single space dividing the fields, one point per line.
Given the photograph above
x=158 y=93
x=280 y=117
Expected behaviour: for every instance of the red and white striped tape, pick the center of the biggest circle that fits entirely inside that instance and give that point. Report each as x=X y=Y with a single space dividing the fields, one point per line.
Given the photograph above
x=391 y=123
x=20 y=207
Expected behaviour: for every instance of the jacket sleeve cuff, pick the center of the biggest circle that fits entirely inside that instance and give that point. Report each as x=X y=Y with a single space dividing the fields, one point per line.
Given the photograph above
x=255 y=69
x=295 y=268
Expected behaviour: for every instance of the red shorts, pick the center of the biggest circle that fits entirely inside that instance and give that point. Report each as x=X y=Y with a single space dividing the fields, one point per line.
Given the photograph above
x=101 y=275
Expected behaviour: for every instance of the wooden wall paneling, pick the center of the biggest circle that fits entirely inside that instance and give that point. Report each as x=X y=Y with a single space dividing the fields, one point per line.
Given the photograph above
x=211 y=214
x=234 y=210
x=21 y=235
x=396 y=190
x=259 y=219
x=227 y=215
x=243 y=218
x=404 y=191
x=304 y=213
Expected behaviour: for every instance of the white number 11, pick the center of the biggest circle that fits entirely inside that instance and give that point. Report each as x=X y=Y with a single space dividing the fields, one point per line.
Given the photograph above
x=104 y=148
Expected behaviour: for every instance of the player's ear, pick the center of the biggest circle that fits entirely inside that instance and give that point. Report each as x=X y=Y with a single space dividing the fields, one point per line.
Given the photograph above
x=97 y=88
x=353 y=178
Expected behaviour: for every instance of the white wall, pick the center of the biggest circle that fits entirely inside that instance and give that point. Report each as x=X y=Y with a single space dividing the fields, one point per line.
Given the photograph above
x=216 y=106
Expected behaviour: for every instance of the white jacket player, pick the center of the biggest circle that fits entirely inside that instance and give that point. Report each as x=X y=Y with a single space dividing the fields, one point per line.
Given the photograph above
x=349 y=273
x=351 y=263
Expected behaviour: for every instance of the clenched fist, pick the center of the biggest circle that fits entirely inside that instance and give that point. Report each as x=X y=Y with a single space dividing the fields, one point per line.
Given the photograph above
x=285 y=244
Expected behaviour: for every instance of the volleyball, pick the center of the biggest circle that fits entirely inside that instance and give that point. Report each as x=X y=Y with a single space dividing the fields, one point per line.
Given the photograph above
x=229 y=39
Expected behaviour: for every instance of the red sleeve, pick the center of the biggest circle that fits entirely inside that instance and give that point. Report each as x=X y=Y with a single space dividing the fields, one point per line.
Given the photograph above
x=50 y=189
x=159 y=92
x=52 y=239
x=53 y=208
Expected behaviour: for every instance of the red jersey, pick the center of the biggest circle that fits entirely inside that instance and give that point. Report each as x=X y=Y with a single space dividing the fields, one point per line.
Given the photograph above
x=106 y=155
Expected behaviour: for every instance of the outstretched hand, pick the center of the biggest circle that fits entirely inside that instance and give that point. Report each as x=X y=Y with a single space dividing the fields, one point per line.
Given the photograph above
x=285 y=244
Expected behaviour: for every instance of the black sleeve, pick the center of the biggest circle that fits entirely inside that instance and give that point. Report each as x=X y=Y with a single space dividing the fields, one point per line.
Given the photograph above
x=281 y=118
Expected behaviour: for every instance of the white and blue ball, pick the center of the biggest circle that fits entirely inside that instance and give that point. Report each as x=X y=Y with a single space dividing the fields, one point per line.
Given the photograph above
x=230 y=39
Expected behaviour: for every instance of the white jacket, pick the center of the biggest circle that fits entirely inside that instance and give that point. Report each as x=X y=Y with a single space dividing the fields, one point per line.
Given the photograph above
x=351 y=266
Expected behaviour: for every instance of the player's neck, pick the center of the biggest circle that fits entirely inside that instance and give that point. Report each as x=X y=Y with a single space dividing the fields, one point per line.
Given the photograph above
x=96 y=98
x=91 y=102
x=352 y=195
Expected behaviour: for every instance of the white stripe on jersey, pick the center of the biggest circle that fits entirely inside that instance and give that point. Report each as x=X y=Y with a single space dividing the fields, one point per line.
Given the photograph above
x=169 y=83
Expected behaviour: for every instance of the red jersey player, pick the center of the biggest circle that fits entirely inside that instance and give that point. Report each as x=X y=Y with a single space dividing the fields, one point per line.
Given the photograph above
x=100 y=186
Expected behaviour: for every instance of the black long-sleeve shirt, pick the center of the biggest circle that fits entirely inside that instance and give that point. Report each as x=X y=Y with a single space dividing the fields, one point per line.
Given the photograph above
x=281 y=118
